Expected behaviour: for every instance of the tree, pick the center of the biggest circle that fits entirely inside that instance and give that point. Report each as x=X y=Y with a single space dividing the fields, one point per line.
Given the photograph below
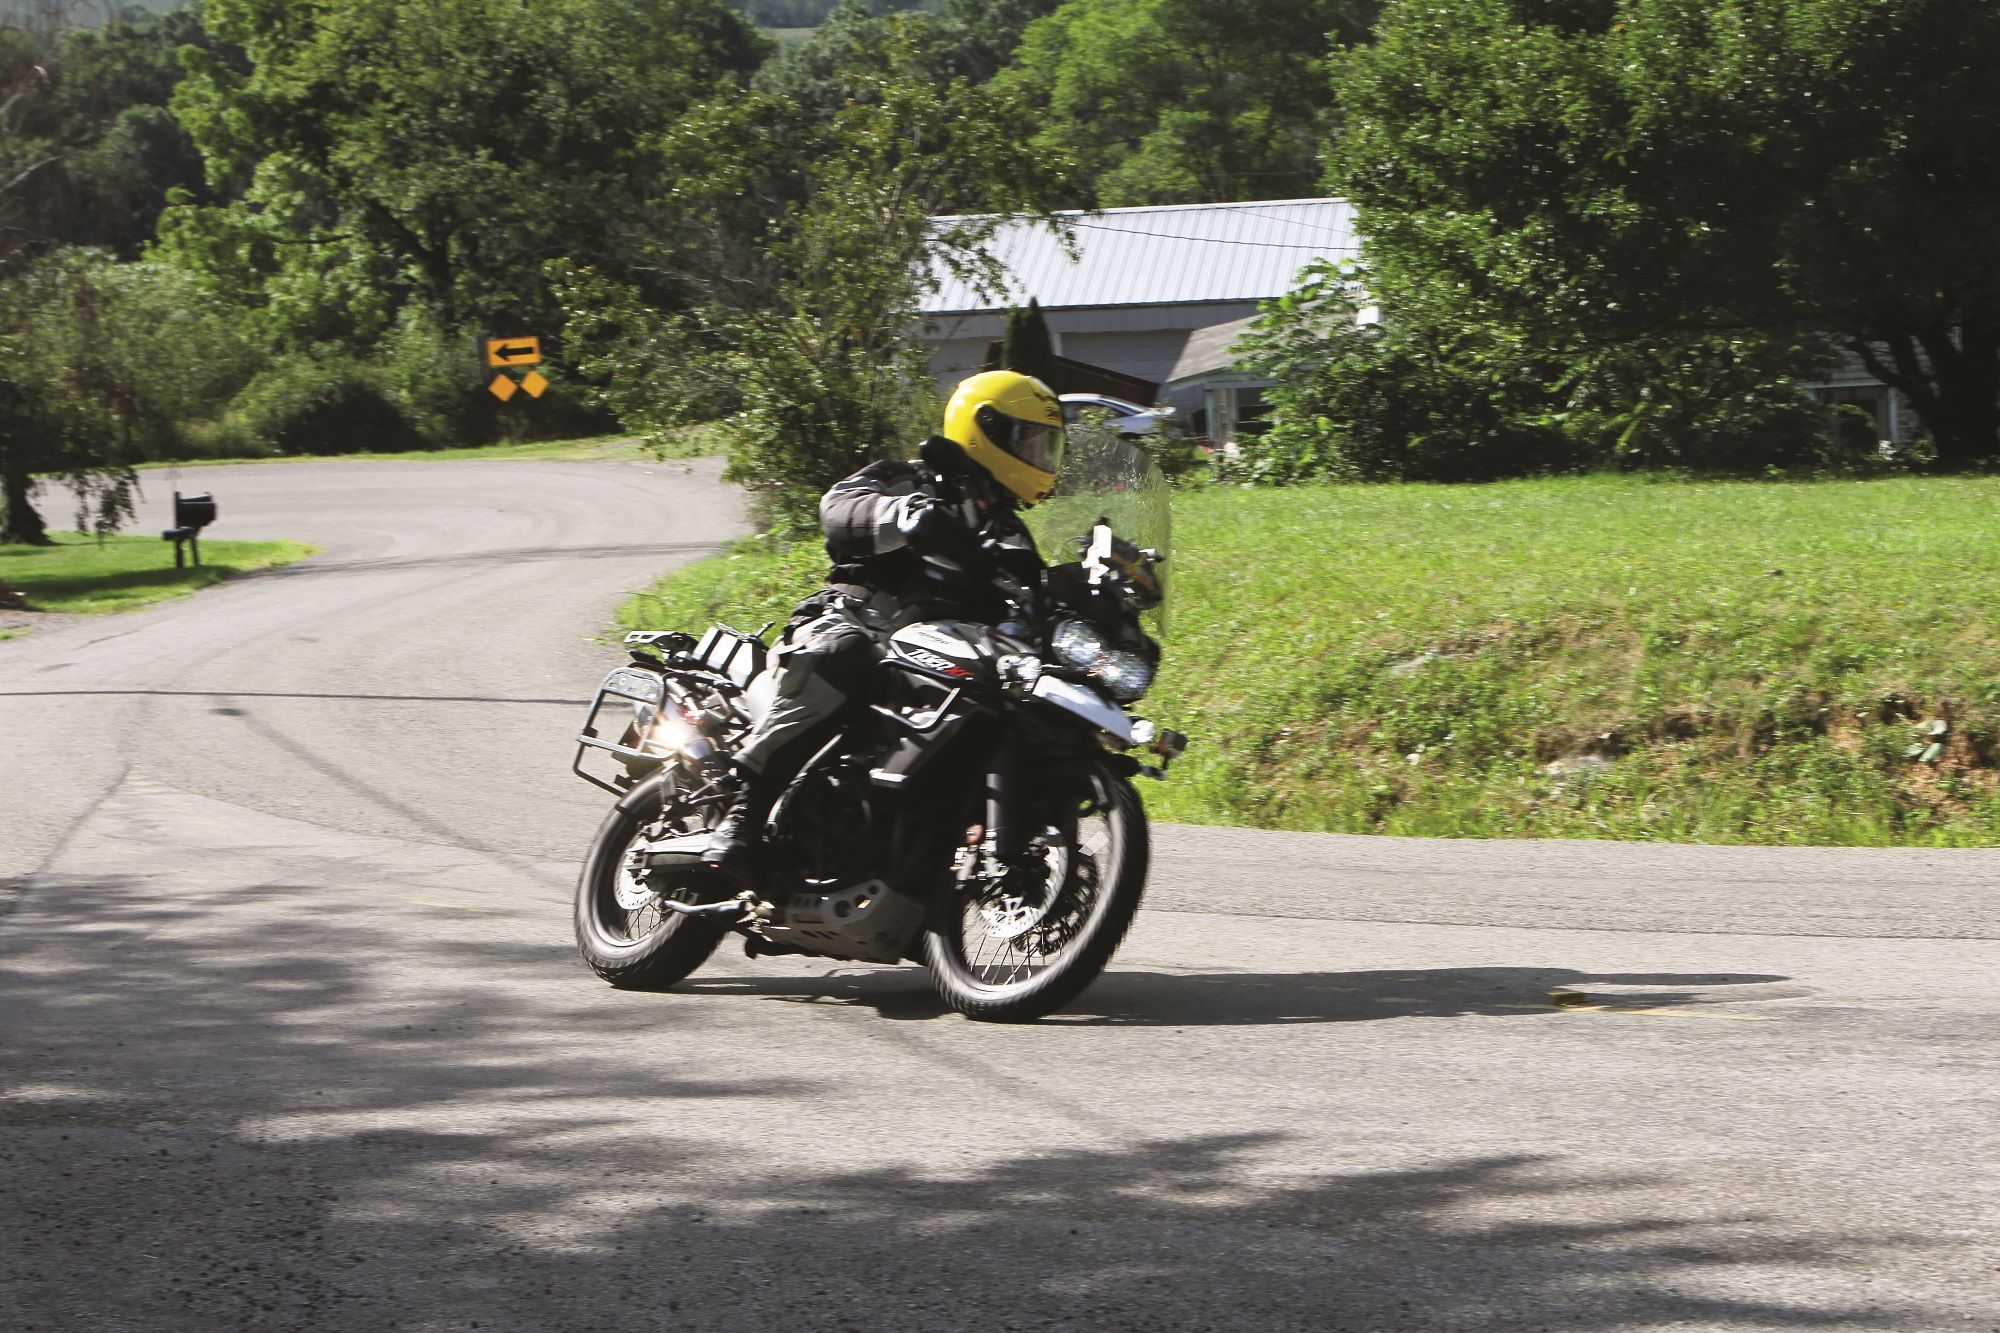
x=806 y=346
x=811 y=75
x=435 y=153
x=978 y=38
x=87 y=155
x=72 y=408
x=971 y=39
x=1188 y=101
x=1027 y=345
x=1618 y=180
x=88 y=149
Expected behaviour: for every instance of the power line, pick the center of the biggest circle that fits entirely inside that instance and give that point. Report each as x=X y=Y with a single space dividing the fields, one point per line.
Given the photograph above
x=1219 y=240
x=1289 y=222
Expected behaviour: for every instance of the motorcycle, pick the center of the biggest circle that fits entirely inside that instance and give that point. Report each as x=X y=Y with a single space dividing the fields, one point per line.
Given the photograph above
x=978 y=815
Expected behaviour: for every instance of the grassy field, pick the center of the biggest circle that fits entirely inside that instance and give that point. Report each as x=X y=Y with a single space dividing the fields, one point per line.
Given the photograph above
x=82 y=575
x=1587 y=657
x=695 y=442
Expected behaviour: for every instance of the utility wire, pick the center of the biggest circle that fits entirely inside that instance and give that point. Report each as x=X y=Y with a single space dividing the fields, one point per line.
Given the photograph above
x=1219 y=240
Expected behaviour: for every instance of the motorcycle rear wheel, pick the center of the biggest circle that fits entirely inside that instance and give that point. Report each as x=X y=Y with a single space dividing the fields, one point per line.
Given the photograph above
x=632 y=943
x=991 y=963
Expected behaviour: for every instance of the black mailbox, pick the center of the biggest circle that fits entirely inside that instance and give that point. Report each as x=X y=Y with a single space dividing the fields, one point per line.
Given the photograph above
x=193 y=511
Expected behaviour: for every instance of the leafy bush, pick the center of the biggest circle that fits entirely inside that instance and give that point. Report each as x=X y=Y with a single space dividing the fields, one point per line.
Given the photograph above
x=1420 y=397
x=1168 y=445
x=1378 y=402
x=806 y=354
x=328 y=404
x=1718 y=403
x=429 y=371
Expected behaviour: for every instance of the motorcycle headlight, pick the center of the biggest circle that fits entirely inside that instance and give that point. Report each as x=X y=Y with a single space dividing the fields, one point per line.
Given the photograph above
x=664 y=733
x=1124 y=675
x=1080 y=645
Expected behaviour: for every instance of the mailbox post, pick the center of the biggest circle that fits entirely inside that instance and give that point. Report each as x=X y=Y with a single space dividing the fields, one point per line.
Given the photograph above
x=192 y=513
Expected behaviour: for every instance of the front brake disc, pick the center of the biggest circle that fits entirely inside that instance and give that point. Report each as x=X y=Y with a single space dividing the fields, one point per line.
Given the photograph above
x=1008 y=917
x=632 y=891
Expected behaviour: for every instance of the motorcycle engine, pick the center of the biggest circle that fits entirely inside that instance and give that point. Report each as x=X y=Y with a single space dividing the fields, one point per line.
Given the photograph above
x=840 y=905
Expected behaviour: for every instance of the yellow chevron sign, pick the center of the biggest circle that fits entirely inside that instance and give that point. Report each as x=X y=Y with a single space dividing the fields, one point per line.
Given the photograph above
x=513 y=351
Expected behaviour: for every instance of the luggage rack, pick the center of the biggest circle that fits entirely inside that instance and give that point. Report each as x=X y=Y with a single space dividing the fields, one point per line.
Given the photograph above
x=731 y=655
x=628 y=683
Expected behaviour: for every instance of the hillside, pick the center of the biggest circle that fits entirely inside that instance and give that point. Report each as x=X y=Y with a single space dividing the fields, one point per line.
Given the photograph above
x=1590 y=657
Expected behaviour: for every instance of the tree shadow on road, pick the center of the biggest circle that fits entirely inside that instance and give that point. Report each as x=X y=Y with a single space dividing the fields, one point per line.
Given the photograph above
x=1134 y=998
x=261 y=1109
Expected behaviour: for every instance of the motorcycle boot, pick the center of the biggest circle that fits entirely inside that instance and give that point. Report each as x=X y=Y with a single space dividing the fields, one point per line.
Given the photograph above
x=733 y=842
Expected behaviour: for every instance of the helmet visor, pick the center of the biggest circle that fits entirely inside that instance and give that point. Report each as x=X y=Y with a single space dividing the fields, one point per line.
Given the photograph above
x=1035 y=443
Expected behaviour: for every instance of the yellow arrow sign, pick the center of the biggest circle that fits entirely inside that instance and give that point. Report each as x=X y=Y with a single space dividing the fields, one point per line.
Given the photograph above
x=513 y=351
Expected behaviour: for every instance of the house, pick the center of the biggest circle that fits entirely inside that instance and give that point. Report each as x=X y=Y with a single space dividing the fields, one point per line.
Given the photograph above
x=1215 y=394
x=1150 y=303
x=1141 y=286
x=1849 y=383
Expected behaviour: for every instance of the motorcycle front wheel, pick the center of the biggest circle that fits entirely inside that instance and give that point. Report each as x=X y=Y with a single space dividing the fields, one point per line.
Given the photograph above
x=1014 y=952
x=622 y=930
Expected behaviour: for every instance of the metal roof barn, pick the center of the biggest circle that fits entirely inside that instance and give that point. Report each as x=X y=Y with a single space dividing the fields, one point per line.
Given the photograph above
x=1141 y=281
x=1168 y=255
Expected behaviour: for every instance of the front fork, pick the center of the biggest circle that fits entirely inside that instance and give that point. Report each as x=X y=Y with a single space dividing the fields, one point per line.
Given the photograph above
x=1005 y=792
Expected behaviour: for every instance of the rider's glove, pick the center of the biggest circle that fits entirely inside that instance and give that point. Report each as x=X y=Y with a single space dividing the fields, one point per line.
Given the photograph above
x=1022 y=566
x=931 y=529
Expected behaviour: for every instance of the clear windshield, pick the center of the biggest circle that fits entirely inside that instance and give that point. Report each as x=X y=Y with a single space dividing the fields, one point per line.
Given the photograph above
x=1106 y=476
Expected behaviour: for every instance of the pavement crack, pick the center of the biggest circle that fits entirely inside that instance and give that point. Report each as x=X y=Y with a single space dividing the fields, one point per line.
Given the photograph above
x=409 y=814
x=69 y=834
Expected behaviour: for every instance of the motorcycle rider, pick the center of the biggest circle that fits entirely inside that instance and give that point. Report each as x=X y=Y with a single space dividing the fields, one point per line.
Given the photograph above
x=1001 y=446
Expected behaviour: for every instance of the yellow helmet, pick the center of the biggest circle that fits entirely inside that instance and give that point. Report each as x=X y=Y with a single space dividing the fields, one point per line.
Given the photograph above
x=1011 y=425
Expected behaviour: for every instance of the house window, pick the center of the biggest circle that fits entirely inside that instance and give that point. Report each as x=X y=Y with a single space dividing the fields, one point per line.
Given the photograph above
x=1253 y=414
x=1870 y=398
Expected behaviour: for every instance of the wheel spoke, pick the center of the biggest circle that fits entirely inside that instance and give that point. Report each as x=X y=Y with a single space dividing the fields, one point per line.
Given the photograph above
x=629 y=907
x=1000 y=947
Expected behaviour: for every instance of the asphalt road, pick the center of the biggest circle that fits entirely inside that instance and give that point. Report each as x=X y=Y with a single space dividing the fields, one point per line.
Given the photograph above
x=292 y=1034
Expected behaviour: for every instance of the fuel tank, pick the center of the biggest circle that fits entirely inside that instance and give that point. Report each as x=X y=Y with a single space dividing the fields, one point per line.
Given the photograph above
x=947 y=650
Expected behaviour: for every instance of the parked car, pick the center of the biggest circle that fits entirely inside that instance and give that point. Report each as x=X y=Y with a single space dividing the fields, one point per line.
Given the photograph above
x=1129 y=418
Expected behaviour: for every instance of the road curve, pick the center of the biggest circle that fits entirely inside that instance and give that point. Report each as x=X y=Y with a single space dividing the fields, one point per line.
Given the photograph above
x=292 y=1035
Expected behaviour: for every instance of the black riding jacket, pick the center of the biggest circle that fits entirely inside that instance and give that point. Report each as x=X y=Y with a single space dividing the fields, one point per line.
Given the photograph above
x=861 y=517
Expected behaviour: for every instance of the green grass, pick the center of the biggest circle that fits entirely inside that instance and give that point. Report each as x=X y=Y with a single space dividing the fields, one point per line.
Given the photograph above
x=1588 y=657
x=756 y=580
x=694 y=442
x=82 y=575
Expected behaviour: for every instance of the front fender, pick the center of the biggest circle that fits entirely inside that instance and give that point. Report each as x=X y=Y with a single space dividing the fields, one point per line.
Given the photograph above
x=1083 y=702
